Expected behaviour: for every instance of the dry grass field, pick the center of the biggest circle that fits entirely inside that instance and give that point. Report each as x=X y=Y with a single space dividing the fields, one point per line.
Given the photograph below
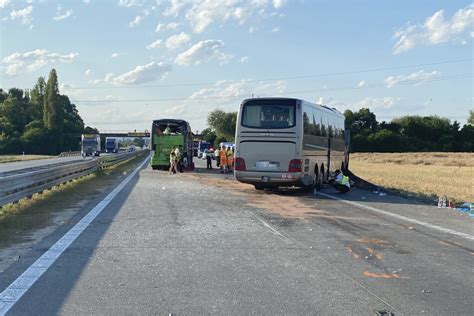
x=13 y=158
x=431 y=174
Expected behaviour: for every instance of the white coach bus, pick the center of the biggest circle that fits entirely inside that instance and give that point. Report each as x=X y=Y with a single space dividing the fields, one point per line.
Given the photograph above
x=288 y=142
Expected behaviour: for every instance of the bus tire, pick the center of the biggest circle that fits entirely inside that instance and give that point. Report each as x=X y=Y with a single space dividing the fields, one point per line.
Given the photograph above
x=259 y=187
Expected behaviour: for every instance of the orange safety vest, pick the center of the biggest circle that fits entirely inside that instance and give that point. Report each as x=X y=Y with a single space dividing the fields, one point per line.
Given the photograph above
x=223 y=157
x=230 y=157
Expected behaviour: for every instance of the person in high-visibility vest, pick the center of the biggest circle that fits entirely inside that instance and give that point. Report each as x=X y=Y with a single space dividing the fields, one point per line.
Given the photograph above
x=217 y=154
x=341 y=182
x=223 y=160
x=230 y=158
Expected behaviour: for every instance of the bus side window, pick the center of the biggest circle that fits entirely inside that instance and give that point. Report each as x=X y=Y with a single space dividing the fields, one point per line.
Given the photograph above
x=306 y=129
x=324 y=124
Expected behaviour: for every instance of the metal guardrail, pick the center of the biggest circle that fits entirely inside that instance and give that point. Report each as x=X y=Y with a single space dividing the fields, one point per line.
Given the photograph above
x=70 y=154
x=24 y=185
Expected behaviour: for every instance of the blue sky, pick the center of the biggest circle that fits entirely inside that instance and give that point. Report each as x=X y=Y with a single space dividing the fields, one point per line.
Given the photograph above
x=126 y=62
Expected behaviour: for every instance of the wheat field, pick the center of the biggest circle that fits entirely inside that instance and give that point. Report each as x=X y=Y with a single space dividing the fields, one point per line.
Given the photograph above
x=423 y=173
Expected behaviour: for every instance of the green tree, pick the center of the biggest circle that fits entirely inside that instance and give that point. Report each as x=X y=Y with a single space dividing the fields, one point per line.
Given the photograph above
x=53 y=114
x=209 y=136
x=223 y=124
x=37 y=99
x=470 y=120
x=73 y=125
x=34 y=137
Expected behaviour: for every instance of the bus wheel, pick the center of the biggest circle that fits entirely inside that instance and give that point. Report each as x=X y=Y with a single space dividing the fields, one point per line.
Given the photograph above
x=259 y=187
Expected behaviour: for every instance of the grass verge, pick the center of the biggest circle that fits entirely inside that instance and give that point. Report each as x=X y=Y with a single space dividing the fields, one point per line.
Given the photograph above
x=14 y=158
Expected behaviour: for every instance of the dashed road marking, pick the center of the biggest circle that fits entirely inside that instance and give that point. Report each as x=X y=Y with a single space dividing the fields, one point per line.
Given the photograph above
x=405 y=218
x=12 y=294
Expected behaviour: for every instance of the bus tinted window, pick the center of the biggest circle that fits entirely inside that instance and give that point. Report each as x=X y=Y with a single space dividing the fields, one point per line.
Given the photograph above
x=268 y=115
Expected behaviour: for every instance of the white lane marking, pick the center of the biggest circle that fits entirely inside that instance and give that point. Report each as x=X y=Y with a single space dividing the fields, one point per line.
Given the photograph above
x=23 y=283
x=408 y=219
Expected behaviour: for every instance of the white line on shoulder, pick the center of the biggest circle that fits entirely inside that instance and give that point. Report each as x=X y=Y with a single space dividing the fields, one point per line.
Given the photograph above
x=405 y=218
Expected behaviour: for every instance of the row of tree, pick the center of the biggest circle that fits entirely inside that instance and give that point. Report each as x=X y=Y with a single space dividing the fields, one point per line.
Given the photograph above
x=221 y=127
x=408 y=133
x=403 y=134
x=40 y=120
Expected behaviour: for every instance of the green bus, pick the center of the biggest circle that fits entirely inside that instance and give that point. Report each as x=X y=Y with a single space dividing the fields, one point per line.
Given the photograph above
x=166 y=134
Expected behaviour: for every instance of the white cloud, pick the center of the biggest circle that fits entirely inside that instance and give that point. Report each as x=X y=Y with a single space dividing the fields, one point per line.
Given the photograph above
x=23 y=14
x=362 y=84
x=174 y=8
x=86 y=1
x=155 y=44
x=225 y=92
x=244 y=60
x=114 y=55
x=130 y=3
x=141 y=74
x=177 y=40
x=374 y=103
x=277 y=4
x=62 y=15
x=137 y=20
x=169 y=26
x=202 y=52
x=17 y=63
x=275 y=30
x=201 y=14
x=88 y=72
x=435 y=30
x=4 y=3
x=415 y=78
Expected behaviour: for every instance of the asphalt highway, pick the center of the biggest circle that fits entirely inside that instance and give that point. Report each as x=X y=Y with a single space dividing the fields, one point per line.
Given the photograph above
x=201 y=243
x=17 y=166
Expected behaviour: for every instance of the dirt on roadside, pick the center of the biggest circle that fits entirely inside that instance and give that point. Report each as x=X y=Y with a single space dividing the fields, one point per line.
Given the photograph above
x=285 y=203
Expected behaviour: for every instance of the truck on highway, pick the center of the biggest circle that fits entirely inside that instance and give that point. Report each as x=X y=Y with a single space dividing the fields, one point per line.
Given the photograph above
x=111 y=145
x=289 y=142
x=90 y=145
x=169 y=133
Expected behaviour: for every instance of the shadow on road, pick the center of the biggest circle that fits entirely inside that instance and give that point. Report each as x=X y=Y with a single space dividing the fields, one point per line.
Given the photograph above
x=62 y=276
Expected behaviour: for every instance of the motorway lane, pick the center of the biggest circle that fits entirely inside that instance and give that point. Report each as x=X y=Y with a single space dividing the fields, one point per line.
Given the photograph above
x=174 y=244
x=40 y=163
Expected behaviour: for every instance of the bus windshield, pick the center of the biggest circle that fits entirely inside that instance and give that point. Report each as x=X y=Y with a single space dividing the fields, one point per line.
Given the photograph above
x=268 y=114
x=89 y=142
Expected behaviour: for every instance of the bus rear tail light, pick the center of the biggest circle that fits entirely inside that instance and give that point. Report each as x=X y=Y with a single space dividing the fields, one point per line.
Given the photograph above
x=239 y=164
x=295 y=165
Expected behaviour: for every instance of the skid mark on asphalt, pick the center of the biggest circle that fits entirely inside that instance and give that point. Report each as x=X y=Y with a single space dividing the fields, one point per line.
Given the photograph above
x=401 y=217
x=381 y=275
x=336 y=271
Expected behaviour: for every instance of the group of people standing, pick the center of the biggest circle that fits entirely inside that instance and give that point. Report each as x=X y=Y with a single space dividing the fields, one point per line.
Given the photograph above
x=224 y=159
